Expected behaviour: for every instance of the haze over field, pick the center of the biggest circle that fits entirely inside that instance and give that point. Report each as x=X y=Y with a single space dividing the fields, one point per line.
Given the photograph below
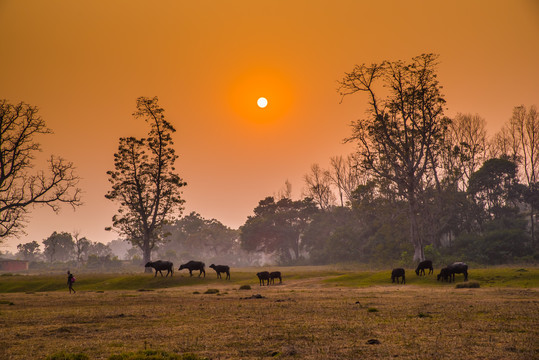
x=85 y=63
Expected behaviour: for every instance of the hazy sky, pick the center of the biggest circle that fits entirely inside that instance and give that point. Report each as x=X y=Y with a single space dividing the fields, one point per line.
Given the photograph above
x=84 y=63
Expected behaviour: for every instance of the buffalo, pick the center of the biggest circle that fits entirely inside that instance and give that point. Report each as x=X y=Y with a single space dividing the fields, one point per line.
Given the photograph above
x=263 y=276
x=275 y=275
x=448 y=273
x=194 y=265
x=444 y=275
x=396 y=274
x=420 y=270
x=221 y=269
x=160 y=265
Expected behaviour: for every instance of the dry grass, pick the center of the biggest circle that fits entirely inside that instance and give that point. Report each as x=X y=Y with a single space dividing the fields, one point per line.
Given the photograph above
x=301 y=319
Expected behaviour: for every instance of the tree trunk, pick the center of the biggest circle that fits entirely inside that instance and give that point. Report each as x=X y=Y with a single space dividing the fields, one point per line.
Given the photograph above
x=532 y=218
x=419 y=255
x=147 y=255
x=296 y=249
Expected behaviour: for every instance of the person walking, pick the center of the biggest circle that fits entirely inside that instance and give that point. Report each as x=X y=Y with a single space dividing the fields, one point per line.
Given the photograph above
x=70 y=281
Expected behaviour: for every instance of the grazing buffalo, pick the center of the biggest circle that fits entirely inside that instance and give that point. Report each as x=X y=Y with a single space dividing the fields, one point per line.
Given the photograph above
x=194 y=265
x=275 y=275
x=221 y=269
x=448 y=273
x=396 y=274
x=160 y=265
x=459 y=268
x=444 y=274
x=263 y=276
x=420 y=270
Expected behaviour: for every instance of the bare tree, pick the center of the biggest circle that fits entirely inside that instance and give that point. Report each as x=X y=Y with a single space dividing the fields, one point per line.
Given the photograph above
x=318 y=183
x=519 y=139
x=82 y=245
x=346 y=176
x=402 y=134
x=467 y=136
x=526 y=123
x=285 y=192
x=20 y=190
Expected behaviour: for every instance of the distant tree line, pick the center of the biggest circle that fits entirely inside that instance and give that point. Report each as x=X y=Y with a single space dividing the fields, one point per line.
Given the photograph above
x=63 y=247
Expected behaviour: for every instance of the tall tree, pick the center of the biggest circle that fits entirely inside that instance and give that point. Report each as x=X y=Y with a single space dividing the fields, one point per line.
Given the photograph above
x=400 y=138
x=278 y=227
x=29 y=251
x=144 y=181
x=19 y=189
x=194 y=236
x=59 y=246
x=495 y=187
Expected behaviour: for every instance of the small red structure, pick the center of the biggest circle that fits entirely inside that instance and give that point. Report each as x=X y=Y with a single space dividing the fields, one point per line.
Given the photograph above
x=13 y=265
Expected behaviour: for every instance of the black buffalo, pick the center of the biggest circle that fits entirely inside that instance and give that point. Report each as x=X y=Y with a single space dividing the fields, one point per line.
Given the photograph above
x=396 y=274
x=427 y=264
x=263 y=276
x=448 y=273
x=444 y=275
x=221 y=269
x=160 y=265
x=275 y=275
x=194 y=265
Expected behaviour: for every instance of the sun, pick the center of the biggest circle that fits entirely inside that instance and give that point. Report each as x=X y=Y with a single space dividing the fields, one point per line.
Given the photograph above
x=262 y=102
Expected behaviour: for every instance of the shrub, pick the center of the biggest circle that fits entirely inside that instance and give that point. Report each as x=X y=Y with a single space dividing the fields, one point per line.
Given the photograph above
x=467 y=285
x=245 y=287
x=212 y=291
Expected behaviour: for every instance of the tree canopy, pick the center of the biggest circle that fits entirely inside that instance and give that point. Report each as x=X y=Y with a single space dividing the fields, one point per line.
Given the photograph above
x=278 y=227
x=144 y=181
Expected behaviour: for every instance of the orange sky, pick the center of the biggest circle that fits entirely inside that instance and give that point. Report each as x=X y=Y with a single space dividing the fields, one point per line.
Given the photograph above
x=83 y=63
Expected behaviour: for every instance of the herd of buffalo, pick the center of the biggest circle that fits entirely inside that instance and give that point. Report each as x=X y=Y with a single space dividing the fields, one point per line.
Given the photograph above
x=160 y=265
x=446 y=274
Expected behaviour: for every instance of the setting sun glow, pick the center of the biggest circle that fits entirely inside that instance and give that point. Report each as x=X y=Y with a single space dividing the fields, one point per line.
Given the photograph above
x=262 y=102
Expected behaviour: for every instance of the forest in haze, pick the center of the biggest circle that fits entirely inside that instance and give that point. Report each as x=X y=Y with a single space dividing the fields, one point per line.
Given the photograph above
x=419 y=186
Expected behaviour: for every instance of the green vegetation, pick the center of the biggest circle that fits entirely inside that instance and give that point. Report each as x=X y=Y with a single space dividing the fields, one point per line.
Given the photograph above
x=345 y=275
x=486 y=277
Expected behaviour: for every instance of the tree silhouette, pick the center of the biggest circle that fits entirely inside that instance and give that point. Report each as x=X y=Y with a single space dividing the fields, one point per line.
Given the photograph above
x=19 y=189
x=29 y=251
x=278 y=227
x=59 y=247
x=400 y=138
x=144 y=182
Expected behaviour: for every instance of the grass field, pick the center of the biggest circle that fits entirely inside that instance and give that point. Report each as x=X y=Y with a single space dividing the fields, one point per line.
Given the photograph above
x=317 y=313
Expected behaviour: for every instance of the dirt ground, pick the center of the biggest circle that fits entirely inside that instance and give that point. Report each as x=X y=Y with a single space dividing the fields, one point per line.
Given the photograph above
x=301 y=319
